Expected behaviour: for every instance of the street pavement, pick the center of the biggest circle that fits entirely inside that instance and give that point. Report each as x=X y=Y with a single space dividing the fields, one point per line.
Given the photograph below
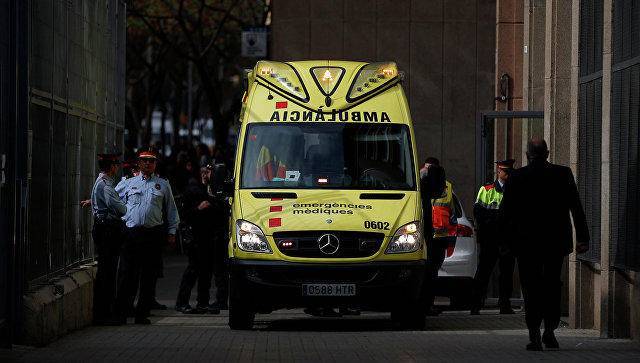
x=290 y=335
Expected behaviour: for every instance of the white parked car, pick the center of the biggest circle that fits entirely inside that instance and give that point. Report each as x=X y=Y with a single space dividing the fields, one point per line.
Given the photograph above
x=455 y=278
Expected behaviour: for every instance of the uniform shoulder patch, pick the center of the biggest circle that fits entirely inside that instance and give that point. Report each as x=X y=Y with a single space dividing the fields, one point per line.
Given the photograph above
x=489 y=186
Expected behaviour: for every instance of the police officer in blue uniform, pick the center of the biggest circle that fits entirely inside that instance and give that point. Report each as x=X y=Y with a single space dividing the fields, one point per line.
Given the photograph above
x=107 y=235
x=151 y=221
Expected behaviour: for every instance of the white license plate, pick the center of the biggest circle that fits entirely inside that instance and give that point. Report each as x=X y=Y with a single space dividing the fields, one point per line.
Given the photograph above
x=328 y=289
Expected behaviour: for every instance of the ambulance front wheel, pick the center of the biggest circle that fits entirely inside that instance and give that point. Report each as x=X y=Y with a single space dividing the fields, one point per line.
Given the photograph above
x=241 y=316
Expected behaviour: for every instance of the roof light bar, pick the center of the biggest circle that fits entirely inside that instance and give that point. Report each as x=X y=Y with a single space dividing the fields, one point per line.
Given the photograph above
x=283 y=77
x=372 y=77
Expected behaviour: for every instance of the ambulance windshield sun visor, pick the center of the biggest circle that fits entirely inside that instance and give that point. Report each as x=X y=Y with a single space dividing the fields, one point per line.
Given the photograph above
x=328 y=156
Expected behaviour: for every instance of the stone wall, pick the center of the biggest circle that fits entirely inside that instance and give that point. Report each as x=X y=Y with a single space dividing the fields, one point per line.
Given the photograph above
x=58 y=308
x=445 y=47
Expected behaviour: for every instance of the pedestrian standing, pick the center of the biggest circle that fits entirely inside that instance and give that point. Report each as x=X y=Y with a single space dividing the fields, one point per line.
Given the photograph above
x=539 y=202
x=107 y=236
x=151 y=222
x=491 y=238
x=443 y=222
x=199 y=214
x=432 y=186
x=220 y=230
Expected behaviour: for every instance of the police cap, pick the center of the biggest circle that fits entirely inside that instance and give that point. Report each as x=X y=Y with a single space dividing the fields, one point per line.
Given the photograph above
x=148 y=154
x=112 y=157
x=505 y=164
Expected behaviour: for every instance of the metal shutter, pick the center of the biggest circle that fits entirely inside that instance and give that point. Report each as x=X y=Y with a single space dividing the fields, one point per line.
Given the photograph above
x=625 y=151
x=590 y=120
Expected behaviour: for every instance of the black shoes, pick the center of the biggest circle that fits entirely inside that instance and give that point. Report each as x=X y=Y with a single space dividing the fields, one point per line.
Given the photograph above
x=432 y=311
x=199 y=309
x=535 y=343
x=349 y=311
x=507 y=310
x=155 y=305
x=213 y=309
x=142 y=321
x=322 y=312
x=550 y=341
x=113 y=321
x=185 y=309
x=219 y=306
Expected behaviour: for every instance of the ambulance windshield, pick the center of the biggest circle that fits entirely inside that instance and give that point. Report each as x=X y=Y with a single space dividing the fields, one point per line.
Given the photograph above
x=328 y=155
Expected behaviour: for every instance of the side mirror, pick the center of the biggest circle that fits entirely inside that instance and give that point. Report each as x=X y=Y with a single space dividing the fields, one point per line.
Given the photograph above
x=228 y=187
x=220 y=182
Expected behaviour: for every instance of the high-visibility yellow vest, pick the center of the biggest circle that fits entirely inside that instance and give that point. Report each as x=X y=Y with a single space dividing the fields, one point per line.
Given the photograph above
x=489 y=197
x=442 y=213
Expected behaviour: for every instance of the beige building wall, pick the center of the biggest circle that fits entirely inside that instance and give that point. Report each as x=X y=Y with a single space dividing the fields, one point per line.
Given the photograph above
x=445 y=47
x=599 y=297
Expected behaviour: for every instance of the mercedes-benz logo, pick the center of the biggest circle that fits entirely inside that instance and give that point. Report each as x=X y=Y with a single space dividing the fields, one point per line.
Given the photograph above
x=328 y=244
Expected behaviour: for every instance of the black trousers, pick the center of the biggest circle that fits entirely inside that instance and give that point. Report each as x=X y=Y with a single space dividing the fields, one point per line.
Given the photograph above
x=436 y=250
x=139 y=269
x=490 y=253
x=199 y=269
x=220 y=266
x=542 y=289
x=107 y=238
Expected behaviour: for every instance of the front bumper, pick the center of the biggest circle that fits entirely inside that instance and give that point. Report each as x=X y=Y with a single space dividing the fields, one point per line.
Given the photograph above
x=381 y=286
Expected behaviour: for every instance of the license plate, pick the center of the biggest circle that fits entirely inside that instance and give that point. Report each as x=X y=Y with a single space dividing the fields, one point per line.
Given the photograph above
x=328 y=289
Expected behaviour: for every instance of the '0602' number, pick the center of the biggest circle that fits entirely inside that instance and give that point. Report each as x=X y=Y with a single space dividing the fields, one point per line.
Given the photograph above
x=376 y=225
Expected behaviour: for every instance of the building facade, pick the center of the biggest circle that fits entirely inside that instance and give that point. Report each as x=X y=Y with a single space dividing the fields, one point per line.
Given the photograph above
x=565 y=70
x=445 y=48
x=62 y=79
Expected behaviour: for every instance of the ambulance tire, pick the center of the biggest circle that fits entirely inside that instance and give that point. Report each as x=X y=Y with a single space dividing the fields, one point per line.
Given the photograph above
x=408 y=319
x=241 y=316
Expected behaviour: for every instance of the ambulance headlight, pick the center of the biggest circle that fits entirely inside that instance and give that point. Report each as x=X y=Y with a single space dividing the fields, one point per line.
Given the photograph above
x=250 y=237
x=407 y=239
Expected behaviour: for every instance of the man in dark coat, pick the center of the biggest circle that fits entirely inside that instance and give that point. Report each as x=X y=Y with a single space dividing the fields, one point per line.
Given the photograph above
x=432 y=186
x=198 y=212
x=539 y=201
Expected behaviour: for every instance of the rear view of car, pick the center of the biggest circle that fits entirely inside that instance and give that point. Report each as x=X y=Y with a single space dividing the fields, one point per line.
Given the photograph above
x=455 y=278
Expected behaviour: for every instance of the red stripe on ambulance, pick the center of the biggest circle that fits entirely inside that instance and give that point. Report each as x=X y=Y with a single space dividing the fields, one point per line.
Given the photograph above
x=275 y=222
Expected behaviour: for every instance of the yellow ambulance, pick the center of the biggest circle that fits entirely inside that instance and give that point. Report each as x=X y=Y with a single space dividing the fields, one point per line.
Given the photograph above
x=325 y=206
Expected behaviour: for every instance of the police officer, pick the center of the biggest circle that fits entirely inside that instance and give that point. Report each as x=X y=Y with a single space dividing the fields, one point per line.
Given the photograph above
x=151 y=222
x=492 y=245
x=107 y=229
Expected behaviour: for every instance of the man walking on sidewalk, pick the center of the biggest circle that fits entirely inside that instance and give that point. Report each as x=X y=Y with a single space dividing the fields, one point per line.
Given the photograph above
x=539 y=202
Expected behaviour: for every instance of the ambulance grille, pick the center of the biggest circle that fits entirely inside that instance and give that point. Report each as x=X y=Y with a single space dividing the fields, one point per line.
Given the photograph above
x=305 y=244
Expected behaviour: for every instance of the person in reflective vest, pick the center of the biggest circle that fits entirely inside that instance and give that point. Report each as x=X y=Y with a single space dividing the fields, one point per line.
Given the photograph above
x=492 y=246
x=444 y=221
x=442 y=218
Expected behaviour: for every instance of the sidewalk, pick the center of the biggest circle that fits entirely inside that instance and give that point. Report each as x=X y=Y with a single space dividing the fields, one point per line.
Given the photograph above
x=293 y=336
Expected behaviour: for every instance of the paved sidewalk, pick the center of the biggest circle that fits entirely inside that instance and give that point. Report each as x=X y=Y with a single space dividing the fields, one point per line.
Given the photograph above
x=293 y=336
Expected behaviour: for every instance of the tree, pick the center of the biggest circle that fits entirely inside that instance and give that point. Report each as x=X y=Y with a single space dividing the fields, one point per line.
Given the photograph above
x=205 y=33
